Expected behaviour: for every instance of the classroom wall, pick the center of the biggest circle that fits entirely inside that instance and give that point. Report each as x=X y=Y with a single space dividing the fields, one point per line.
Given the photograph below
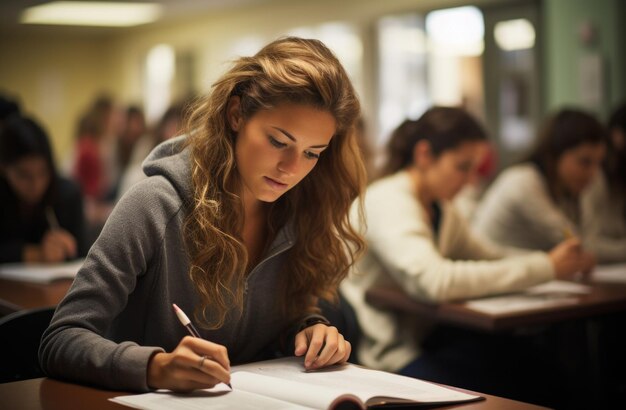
x=57 y=72
x=565 y=50
x=55 y=77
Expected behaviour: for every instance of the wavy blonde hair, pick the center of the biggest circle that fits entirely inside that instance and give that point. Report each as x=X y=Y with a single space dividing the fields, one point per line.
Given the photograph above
x=288 y=70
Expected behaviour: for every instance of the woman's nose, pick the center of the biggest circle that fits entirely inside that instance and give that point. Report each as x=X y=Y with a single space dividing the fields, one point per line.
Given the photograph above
x=289 y=162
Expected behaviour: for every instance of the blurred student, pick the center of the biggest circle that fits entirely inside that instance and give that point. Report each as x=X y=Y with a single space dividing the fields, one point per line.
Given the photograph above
x=418 y=242
x=132 y=130
x=169 y=126
x=41 y=213
x=95 y=167
x=536 y=204
x=468 y=199
x=604 y=203
x=244 y=221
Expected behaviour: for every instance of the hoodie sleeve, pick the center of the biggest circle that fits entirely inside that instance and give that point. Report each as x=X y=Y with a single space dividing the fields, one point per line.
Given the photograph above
x=75 y=346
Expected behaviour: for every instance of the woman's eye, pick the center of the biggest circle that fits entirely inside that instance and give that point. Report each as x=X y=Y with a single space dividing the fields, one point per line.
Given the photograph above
x=311 y=155
x=276 y=143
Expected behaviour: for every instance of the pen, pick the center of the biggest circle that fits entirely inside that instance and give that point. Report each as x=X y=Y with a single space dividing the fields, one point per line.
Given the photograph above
x=53 y=222
x=567 y=233
x=187 y=323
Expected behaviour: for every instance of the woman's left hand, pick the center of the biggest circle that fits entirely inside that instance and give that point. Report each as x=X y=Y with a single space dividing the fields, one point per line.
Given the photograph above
x=323 y=345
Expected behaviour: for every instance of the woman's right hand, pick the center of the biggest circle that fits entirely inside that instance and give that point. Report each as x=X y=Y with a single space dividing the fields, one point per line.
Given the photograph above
x=58 y=245
x=194 y=364
x=568 y=259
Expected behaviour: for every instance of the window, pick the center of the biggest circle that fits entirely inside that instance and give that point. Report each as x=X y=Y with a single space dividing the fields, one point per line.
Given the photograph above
x=160 y=68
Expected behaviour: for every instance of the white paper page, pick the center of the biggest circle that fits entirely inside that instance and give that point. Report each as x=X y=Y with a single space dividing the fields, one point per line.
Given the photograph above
x=40 y=273
x=519 y=302
x=287 y=389
x=560 y=287
x=218 y=398
x=610 y=273
x=351 y=379
x=546 y=295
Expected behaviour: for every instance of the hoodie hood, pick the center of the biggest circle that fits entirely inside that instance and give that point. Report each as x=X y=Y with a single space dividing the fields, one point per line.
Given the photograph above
x=172 y=160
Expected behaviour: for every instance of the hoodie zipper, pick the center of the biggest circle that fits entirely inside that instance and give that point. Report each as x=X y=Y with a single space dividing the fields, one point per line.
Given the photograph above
x=237 y=332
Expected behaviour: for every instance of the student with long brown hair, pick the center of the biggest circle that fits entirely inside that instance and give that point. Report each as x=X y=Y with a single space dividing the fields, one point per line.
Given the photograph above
x=537 y=203
x=244 y=221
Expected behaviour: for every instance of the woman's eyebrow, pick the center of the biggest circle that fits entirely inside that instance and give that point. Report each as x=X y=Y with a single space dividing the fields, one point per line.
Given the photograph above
x=291 y=137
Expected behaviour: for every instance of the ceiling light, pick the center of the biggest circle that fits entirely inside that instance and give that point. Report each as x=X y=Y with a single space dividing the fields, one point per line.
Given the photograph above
x=516 y=34
x=84 y=13
x=457 y=31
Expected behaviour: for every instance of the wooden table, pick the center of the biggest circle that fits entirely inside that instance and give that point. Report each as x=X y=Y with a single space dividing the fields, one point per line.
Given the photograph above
x=50 y=394
x=16 y=295
x=604 y=298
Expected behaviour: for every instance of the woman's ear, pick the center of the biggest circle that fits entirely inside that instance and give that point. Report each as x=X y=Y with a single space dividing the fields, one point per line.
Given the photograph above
x=233 y=112
x=422 y=154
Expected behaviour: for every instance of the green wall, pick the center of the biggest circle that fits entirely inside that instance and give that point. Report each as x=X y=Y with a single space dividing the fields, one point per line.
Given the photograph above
x=564 y=49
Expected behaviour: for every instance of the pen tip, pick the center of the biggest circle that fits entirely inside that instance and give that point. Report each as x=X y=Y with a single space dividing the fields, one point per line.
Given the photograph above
x=175 y=306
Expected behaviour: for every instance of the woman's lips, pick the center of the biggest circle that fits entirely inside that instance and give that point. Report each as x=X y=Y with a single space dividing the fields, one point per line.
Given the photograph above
x=275 y=184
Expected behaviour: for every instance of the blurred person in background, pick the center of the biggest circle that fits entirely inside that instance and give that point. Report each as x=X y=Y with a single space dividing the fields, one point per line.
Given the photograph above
x=132 y=129
x=168 y=126
x=41 y=213
x=97 y=139
x=95 y=168
x=537 y=203
x=468 y=200
x=418 y=242
x=604 y=203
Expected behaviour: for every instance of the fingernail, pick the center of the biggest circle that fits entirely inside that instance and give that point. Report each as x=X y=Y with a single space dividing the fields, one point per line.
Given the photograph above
x=307 y=363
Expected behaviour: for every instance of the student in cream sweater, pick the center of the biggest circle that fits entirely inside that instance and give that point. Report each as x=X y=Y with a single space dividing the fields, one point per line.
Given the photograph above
x=558 y=191
x=603 y=205
x=420 y=243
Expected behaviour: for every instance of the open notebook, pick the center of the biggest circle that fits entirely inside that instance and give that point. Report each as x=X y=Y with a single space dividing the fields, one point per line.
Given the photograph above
x=39 y=272
x=284 y=384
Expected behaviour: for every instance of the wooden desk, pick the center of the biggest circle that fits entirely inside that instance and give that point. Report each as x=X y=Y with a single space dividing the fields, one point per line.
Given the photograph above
x=604 y=298
x=17 y=295
x=49 y=394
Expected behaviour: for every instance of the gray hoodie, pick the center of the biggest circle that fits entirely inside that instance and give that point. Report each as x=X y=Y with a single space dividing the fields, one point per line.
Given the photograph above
x=118 y=311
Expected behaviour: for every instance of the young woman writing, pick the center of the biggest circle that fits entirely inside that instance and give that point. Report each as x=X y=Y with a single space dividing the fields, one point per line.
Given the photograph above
x=41 y=213
x=244 y=221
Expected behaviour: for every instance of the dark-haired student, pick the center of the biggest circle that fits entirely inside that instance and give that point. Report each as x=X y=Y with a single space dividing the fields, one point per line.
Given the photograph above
x=243 y=221
x=537 y=203
x=419 y=242
x=604 y=203
x=41 y=213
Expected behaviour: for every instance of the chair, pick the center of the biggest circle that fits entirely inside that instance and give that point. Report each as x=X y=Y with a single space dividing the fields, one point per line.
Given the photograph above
x=20 y=333
x=342 y=316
